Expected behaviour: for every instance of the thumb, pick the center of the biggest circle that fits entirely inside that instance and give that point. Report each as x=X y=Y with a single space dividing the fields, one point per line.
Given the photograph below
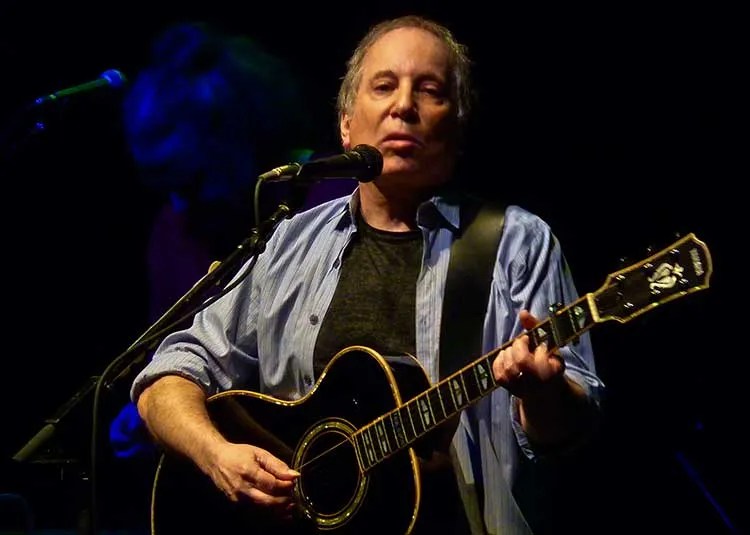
x=275 y=466
x=528 y=321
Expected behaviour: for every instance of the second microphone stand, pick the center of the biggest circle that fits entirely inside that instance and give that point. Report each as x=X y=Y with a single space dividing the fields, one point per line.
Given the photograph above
x=195 y=299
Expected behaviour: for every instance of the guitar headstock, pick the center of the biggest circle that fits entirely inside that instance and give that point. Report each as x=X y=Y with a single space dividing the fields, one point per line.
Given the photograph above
x=677 y=270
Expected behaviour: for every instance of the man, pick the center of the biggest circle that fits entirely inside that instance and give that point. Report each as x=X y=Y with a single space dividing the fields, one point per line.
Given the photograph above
x=370 y=270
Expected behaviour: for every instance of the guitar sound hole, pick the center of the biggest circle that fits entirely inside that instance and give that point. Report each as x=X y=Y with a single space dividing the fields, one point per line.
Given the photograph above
x=330 y=473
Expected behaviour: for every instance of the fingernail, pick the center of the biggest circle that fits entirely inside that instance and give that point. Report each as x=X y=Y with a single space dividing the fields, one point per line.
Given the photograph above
x=294 y=473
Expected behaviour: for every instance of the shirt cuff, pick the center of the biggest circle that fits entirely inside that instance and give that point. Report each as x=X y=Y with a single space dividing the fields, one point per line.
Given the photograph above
x=590 y=384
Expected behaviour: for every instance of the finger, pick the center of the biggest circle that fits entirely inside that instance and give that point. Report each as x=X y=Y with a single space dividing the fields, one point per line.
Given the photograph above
x=497 y=366
x=541 y=353
x=275 y=466
x=504 y=367
x=269 y=484
x=542 y=360
x=548 y=363
x=556 y=360
x=233 y=496
x=520 y=350
x=528 y=321
x=268 y=500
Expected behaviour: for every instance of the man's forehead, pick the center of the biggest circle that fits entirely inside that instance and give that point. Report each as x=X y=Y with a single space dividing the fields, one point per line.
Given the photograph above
x=409 y=50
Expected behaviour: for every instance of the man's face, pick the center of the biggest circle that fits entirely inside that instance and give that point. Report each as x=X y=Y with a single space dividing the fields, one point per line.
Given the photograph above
x=403 y=107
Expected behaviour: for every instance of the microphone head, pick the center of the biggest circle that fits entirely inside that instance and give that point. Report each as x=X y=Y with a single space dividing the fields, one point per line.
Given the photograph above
x=373 y=160
x=114 y=77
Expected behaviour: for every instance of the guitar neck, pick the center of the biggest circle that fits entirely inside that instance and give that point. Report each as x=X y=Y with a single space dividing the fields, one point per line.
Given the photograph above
x=677 y=270
x=401 y=427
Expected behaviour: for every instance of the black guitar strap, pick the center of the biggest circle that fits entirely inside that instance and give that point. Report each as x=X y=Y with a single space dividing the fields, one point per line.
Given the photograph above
x=467 y=286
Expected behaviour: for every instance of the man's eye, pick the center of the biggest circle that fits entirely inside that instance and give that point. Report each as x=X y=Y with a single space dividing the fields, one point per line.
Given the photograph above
x=433 y=91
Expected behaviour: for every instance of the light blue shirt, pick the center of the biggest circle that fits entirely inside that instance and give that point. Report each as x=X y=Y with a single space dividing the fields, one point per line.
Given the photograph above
x=261 y=336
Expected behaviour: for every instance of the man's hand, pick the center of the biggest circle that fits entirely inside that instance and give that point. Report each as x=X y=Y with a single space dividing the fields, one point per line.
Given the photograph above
x=523 y=372
x=242 y=471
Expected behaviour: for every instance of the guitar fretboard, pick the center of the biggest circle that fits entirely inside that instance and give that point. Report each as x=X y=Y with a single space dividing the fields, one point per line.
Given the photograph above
x=401 y=427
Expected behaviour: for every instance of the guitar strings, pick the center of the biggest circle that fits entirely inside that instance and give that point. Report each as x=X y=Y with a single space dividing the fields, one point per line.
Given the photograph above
x=326 y=452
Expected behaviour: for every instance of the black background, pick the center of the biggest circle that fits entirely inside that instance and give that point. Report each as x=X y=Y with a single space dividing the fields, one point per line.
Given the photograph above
x=618 y=125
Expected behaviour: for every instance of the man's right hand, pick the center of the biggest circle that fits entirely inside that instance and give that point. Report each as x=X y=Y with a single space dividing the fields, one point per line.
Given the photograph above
x=242 y=471
x=174 y=410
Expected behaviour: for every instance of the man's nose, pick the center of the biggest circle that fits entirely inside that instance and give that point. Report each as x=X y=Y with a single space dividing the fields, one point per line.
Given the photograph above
x=405 y=105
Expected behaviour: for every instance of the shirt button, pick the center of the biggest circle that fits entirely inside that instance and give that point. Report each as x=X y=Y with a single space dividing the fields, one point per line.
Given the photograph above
x=336 y=263
x=313 y=319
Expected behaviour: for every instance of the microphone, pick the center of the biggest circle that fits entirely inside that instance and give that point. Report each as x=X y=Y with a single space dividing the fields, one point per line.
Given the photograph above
x=110 y=78
x=363 y=162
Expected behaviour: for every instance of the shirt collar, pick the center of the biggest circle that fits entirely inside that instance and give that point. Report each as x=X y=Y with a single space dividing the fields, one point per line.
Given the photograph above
x=438 y=211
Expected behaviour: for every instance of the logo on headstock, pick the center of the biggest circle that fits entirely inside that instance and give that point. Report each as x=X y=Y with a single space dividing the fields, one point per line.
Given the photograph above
x=697 y=264
x=665 y=276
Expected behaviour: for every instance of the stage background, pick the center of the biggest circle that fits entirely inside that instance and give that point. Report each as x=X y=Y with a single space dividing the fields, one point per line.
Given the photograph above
x=618 y=125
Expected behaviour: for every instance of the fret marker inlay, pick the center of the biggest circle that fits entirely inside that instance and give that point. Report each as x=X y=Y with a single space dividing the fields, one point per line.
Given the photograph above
x=483 y=377
x=457 y=390
x=424 y=410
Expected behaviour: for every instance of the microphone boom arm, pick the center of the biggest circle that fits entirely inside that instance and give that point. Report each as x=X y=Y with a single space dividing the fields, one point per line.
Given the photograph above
x=215 y=278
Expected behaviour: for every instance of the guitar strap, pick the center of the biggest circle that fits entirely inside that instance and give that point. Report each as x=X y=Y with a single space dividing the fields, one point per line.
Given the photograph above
x=467 y=285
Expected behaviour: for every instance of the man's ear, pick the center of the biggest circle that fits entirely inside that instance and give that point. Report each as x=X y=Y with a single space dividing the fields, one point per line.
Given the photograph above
x=344 y=131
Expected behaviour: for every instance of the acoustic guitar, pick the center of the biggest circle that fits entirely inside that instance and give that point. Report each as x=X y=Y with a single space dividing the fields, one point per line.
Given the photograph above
x=357 y=443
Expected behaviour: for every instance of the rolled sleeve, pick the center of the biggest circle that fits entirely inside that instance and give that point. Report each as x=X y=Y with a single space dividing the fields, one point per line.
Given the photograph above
x=173 y=362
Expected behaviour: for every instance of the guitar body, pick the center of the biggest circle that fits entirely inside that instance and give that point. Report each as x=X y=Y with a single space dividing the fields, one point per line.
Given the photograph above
x=354 y=438
x=312 y=435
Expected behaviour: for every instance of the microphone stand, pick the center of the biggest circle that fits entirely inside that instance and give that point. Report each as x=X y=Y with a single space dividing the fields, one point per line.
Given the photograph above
x=254 y=245
x=122 y=365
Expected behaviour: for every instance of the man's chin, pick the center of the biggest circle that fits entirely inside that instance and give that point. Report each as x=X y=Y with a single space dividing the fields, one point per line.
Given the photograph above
x=401 y=171
x=396 y=165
